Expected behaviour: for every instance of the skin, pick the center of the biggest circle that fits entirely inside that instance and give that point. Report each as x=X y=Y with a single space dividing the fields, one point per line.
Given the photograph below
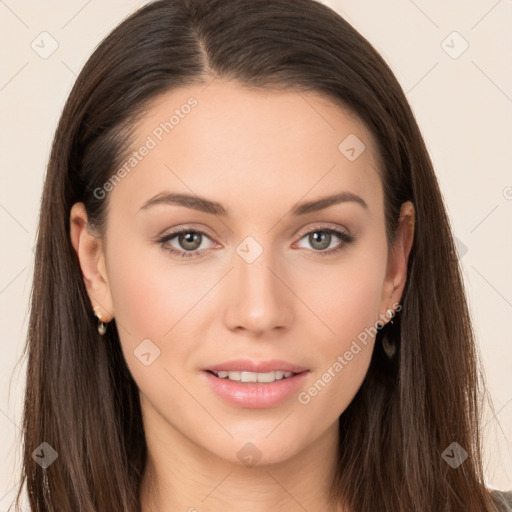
x=258 y=153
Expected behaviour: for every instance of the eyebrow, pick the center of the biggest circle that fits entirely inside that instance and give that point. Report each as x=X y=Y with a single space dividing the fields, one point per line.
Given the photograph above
x=207 y=206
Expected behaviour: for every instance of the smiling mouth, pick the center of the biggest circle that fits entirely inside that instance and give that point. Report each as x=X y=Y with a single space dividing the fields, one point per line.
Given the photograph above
x=251 y=377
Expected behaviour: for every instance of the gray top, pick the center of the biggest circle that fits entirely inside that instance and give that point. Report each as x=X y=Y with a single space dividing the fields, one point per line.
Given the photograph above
x=504 y=498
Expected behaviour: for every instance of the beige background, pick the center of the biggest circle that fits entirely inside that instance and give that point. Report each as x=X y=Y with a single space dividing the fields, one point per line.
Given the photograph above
x=463 y=104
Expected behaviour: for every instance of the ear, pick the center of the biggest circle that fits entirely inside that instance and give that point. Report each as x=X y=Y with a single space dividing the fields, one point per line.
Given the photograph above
x=89 y=249
x=396 y=274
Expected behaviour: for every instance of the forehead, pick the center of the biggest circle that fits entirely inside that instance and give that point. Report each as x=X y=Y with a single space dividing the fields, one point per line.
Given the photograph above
x=225 y=139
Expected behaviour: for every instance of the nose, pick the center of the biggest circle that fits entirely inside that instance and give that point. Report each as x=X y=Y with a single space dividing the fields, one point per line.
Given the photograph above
x=259 y=299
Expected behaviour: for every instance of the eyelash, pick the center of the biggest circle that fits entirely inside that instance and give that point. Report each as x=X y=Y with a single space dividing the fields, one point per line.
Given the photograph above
x=346 y=239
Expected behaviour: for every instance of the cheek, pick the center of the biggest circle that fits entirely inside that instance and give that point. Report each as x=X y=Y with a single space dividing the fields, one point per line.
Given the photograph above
x=346 y=298
x=346 y=293
x=158 y=300
x=150 y=292
x=347 y=303
x=137 y=297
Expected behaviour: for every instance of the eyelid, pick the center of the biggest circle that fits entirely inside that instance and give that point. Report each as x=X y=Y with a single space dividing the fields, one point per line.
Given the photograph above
x=186 y=228
x=321 y=226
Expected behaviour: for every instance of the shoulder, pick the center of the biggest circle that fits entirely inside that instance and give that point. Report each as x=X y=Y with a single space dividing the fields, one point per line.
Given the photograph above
x=504 y=499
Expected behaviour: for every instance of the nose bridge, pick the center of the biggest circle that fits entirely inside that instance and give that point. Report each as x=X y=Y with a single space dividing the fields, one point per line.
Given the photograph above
x=258 y=300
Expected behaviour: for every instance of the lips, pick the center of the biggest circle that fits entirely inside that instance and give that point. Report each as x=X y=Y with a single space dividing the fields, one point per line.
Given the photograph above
x=247 y=365
x=255 y=395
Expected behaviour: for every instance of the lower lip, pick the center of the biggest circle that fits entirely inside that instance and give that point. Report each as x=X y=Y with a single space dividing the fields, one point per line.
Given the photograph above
x=256 y=395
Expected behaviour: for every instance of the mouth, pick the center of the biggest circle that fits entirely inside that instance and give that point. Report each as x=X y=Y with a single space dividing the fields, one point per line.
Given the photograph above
x=247 y=377
x=255 y=385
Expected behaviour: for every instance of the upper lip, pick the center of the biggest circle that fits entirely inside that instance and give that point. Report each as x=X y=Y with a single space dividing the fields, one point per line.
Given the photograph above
x=246 y=365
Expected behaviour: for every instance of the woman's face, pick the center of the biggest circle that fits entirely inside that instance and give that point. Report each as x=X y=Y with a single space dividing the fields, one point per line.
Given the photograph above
x=262 y=278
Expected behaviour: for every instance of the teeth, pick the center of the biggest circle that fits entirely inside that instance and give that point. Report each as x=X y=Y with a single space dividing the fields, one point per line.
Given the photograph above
x=253 y=376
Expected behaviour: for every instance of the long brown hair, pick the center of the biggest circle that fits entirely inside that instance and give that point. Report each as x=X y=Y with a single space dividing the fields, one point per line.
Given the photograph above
x=80 y=397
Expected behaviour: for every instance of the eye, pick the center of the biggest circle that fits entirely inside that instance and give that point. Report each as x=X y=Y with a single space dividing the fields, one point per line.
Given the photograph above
x=189 y=242
x=321 y=238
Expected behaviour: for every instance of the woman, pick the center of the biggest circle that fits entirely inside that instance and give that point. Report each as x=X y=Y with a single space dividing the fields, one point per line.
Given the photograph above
x=246 y=292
